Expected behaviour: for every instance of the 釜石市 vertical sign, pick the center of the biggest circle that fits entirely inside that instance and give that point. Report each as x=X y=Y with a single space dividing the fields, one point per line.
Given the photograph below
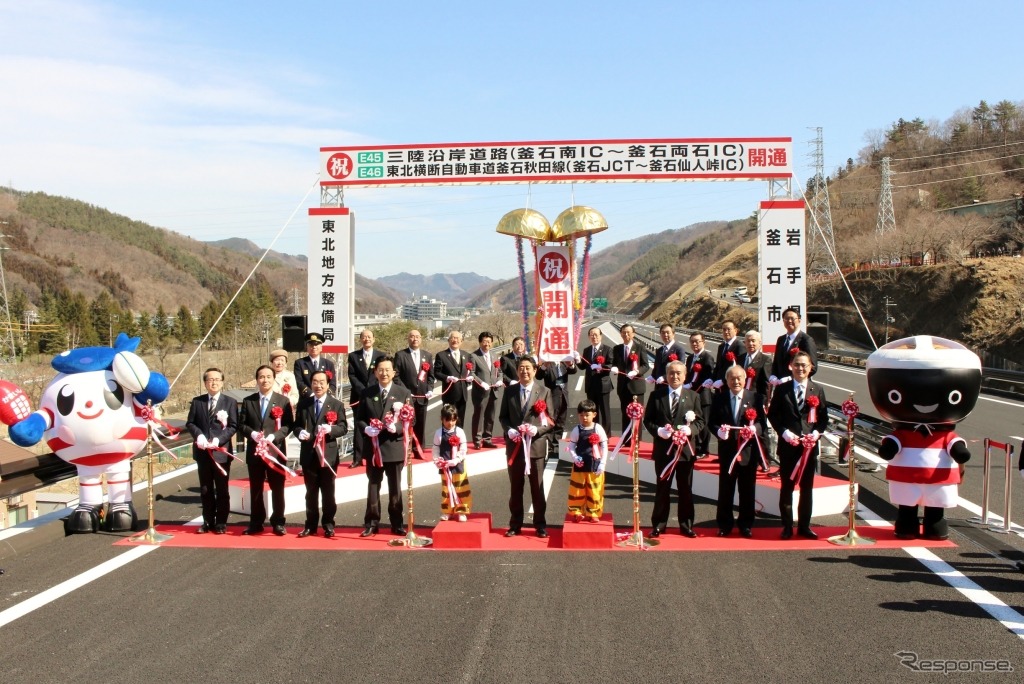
x=782 y=256
x=646 y=160
x=555 y=298
x=330 y=278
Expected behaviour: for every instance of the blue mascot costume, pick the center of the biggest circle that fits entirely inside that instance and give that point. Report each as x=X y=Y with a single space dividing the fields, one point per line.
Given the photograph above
x=91 y=416
x=924 y=385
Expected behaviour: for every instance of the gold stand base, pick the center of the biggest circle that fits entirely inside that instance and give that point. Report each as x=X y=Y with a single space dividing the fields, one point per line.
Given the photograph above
x=412 y=541
x=637 y=540
x=851 y=538
x=151 y=536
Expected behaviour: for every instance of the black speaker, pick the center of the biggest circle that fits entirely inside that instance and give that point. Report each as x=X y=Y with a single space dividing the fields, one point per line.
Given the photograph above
x=293 y=333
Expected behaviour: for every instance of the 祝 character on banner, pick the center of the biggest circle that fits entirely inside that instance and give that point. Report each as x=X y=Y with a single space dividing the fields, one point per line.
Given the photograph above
x=91 y=416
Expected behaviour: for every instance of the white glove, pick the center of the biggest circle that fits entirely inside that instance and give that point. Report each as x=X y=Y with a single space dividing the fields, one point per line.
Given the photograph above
x=513 y=382
x=790 y=437
x=513 y=434
x=650 y=380
x=439 y=463
x=707 y=384
x=256 y=435
x=396 y=407
x=717 y=384
x=595 y=367
x=215 y=442
x=532 y=429
x=631 y=374
x=687 y=386
x=665 y=432
x=500 y=383
x=723 y=433
x=270 y=438
x=685 y=429
x=201 y=442
x=323 y=428
x=391 y=427
x=576 y=356
x=485 y=386
x=452 y=378
x=456 y=460
x=578 y=462
x=304 y=436
x=429 y=394
x=816 y=435
x=773 y=381
x=369 y=431
x=661 y=380
x=613 y=370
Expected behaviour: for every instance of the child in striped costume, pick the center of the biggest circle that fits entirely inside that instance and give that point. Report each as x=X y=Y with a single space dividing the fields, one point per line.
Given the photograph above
x=588 y=443
x=449 y=452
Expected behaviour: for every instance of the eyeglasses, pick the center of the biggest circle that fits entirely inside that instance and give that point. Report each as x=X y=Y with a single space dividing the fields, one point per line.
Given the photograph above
x=799 y=365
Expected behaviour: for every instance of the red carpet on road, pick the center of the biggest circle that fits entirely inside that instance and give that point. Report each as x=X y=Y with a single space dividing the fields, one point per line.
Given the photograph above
x=477 y=535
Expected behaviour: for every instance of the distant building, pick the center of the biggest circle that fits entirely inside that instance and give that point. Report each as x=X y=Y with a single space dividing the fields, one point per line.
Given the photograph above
x=424 y=309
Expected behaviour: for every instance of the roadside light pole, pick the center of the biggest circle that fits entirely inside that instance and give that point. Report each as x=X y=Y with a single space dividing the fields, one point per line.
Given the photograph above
x=888 y=319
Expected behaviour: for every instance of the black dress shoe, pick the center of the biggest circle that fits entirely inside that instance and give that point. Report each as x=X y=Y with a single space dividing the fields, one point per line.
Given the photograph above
x=203 y=529
x=542 y=533
x=221 y=529
x=306 y=532
x=746 y=533
x=354 y=465
x=654 y=533
x=253 y=530
x=328 y=533
x=512 y=532
x=488 y=444
x=476 y=445
x=723 y=533
x=687 y=532
x=400 y=531
x=807 y=533
x=279 y=530
x=787 y=533
x=368 y=531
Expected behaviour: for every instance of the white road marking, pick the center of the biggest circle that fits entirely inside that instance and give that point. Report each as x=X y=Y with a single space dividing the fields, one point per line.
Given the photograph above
x=41 y=599
x=841 y=389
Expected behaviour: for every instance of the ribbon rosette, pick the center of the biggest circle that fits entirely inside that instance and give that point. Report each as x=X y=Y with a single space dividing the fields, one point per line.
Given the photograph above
x=748 y=433
x=222 y=417
x=540 y=408
x=850 y=410
x=673 y=357
x=319 y=444
x=469 y=369
x=634 y=359
x=751 y=374
x=406 y=414
x=730 y=358
x=635 y=412
x=599 y=360
x=424 y=369
x=794 y=351
x=595 y=445
x=276 y=412
x=812 y=415
x=286 y=389
x=808 y=442
x=525 y=441
x=378 y=460
x=148 y=414
x=696 y=371
x=263 y=450
x=329 y=374
x=679 y=440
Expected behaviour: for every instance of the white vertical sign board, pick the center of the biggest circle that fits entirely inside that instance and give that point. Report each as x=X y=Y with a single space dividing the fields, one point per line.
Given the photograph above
x=330 y=284
x=781 y=253
x=557 y=331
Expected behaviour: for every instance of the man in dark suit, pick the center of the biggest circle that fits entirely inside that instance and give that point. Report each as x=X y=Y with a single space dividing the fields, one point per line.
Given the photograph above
x=556 y=377
x=450 y=369
x=669 y=348
x=377 y=402
x=212 y=422
x=629 y=363
x=414 y=370
x=728 y=410
x=486 y=384
x=790 y=416
x=520 y=408
x=731 y=345
x=756 y=358
x=785 y=346
x=665 y=413
x=314 y=361
x=701 y=382
x=510 y=361
x=360 y=376
x=319 y=425
x=597 y=381
x=258 y=423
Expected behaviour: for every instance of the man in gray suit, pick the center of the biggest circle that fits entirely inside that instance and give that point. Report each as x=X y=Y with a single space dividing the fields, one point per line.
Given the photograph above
x=487 y=380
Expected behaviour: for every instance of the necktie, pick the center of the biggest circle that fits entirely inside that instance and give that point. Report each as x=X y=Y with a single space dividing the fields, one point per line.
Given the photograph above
x=458 y=360
x=736 y=408
x=416 y=360
x=316 y=364
x=263 y=407
x=799 y=396
x=746 y=362
x=213 y=405
x=673 y=404
x=383 y=394
x=317 y=414
x=524 y=396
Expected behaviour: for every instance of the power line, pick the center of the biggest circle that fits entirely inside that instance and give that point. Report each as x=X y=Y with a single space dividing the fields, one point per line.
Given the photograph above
x=950 y=166
x=947 y=154
x=949 y=180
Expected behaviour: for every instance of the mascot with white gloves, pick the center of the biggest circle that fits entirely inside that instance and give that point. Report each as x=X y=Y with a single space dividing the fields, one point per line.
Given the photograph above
x=91 y=416
x=924 y=385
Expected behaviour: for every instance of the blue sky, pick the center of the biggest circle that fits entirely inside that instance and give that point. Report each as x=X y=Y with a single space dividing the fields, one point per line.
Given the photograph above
x=207 y=117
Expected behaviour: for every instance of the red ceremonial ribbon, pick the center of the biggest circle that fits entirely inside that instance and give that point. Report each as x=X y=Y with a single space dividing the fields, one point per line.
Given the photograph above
x=469 y=370
x=635 y=412
x=453 y=496
x=599 y=360
x=696 y=371
x=540 y=408
x=525 y=441
x=214 y=461
x=812 y=415
x=276 y=413
x=263 y=447
x=635 y=359
x=730 y=357
x=747 y=433
x=679 y=440
x=673 y=357
x=148 y=414
x=850 y=410
x=808 y=443
x=424 y=367
x=378 y=460
x=407 y=414
x=595 y=446
x=751 y=374
x=287 y=389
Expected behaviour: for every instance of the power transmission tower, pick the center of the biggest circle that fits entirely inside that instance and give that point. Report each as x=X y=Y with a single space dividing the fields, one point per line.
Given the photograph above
x=822 y=243
x=886 y=217
x=8 y=353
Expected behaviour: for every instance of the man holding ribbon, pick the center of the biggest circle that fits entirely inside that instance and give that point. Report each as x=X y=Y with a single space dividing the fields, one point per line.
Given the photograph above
x=414 y=370
x=597 y=383
x=487 y=381
x=799 y=415
x=378 y=417
x=212 y=422
x=454 y=368
x=319 y=426
x=266 y=419
x=360 y=376
x=673 y=417
x=524 y=418
x=737 y=418
x=629 y=363
x=700 y=370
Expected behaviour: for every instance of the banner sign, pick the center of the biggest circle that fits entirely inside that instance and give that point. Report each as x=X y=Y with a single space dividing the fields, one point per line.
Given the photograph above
x=555 y=297
x=781 y=253
x=670 y=159
x=330 y=284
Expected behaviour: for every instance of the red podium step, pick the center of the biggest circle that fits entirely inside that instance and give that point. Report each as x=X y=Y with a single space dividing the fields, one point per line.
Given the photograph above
x=588 y=535
x=452 y=534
